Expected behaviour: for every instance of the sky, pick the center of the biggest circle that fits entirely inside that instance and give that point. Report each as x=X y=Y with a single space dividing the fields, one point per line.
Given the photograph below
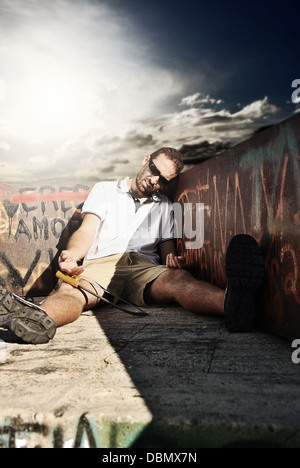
x=88 y=88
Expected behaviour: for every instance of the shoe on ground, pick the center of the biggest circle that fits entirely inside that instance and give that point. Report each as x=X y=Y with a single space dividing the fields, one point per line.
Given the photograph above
x=28 y=321
x=244 y=265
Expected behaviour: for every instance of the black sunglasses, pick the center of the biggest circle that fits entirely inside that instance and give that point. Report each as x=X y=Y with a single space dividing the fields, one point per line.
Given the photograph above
x=156 y=172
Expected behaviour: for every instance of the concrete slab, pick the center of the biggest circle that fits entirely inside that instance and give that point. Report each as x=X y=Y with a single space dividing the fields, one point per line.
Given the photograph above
x=172 y=379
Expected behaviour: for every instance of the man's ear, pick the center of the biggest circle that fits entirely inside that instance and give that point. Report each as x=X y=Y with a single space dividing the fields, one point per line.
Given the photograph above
x=146 y=159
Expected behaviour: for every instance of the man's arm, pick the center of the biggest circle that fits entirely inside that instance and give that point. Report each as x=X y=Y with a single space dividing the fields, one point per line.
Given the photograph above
x=169 y=255
x=78 y=245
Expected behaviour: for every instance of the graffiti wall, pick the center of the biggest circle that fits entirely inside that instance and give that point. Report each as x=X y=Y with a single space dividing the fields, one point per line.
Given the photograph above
x=84 y=432
x=254 y=189
x=35 y=224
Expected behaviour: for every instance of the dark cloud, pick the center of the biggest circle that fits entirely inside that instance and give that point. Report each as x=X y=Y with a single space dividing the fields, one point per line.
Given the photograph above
x=139 y=140
x=138 y=85
x=107 y=169
x=107 y=140
x=196 y=153
x=120 y=161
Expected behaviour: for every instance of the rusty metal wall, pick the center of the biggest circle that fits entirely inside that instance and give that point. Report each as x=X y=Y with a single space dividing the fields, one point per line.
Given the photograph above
x=36 y=221
x=253 y=188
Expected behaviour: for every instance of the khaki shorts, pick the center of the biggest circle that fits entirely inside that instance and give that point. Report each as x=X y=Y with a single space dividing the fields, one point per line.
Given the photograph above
x=126 y=275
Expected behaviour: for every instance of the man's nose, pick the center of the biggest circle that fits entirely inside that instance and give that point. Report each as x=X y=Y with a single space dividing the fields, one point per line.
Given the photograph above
x=154 y=180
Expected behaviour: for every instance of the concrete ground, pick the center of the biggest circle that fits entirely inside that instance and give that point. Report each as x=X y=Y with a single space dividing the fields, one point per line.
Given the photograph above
x=169 y=380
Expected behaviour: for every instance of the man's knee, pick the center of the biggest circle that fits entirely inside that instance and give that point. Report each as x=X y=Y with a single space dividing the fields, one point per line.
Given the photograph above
x=165 y=288
x=64 y=287
x=177 y=276
x=83 y=296
x=69 y=291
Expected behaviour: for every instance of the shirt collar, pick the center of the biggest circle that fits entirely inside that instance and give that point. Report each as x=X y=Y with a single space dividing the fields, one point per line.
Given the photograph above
x=122 y=187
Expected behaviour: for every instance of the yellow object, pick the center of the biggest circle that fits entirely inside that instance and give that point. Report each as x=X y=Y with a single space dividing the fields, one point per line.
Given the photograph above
x=73 y=280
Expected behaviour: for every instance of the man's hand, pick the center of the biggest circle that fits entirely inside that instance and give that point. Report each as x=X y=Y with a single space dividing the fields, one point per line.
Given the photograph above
x=68 y=264
x=174 y=261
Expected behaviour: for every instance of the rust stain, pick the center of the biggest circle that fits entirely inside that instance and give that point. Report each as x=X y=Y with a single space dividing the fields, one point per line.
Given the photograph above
x=254 y=189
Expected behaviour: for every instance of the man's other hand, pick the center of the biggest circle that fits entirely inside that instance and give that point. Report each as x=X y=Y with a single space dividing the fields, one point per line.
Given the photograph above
x=174 y=261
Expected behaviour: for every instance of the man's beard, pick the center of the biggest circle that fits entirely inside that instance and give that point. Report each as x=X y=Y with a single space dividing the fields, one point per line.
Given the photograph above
x=140 y=179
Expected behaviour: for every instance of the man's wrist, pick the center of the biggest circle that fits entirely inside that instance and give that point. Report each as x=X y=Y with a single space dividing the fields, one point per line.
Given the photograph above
x=74 y=256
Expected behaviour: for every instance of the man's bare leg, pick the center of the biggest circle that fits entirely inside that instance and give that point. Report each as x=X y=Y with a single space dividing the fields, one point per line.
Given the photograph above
x=192 y=294
x=244 y=266
x=66 y=304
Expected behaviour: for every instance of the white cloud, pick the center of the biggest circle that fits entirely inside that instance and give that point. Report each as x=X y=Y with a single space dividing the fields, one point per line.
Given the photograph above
x=210 y=123
x=83 y=99
x=198 y=99
x=121 y=154
x=4 y=146
x=84 y=55
x=74 y=73
x=257 y=110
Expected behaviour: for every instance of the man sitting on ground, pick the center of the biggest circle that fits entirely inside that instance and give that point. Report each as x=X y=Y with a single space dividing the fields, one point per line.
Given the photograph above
x=126 y=241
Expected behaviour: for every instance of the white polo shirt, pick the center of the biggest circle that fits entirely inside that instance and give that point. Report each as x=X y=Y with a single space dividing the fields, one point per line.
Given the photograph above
x=126 y=225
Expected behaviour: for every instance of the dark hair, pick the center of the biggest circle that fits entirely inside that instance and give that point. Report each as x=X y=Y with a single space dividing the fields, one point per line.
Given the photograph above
x=173 y=155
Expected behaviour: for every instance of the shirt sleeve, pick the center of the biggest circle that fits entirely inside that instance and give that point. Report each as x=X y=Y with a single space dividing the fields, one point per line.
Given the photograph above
x=96 y=202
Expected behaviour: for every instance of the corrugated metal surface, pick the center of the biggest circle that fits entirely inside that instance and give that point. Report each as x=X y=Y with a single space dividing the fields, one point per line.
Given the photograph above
x=36 y=221
x=253 y=188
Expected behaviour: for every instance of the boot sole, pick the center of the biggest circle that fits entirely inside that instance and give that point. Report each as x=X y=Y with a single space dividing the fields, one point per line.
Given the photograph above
x=245 y=274
x=29 y=324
